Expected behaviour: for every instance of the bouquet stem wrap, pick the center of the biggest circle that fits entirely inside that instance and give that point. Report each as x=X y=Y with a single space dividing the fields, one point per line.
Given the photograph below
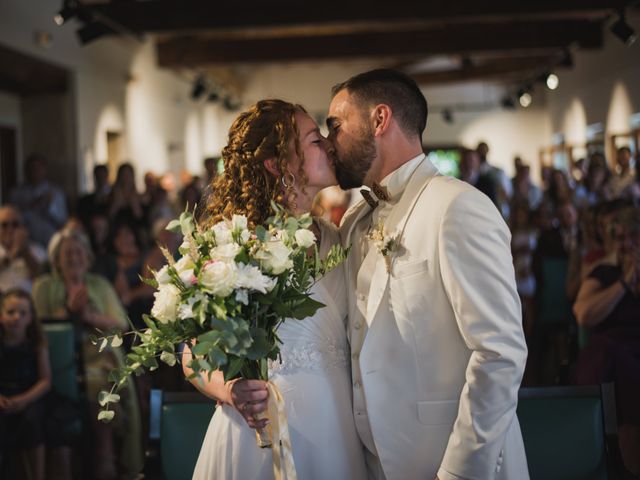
x=276 y=436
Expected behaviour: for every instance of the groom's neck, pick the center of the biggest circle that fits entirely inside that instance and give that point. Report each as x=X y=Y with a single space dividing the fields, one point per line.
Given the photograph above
x=389 y=161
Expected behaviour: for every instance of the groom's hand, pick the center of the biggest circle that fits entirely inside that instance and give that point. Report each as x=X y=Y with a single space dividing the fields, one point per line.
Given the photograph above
x=249 y=397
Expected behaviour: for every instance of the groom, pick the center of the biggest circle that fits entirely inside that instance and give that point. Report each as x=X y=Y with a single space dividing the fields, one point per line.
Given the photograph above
x=434 y=318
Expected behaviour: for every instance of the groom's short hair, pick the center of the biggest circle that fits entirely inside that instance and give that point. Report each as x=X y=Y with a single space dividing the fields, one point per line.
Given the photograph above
x=392 y=88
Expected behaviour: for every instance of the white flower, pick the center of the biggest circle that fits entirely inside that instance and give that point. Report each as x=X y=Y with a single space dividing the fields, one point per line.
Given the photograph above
x=245 y=236
x=305 y=238
x=184 y=267
x=222 y=233
x=226 y=252
x=250 y=277
x=274 y=256
x=242 y=296
x=162 y=276
x=239 y=222
x=185 y=310
x=166 y=304
x=219 y=277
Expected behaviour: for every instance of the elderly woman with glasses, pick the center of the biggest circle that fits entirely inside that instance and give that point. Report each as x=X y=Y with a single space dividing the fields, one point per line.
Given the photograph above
x=71 y=292
x=20 y=260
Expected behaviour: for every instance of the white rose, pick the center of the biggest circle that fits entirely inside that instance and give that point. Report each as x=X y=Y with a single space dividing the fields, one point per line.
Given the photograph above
x=184 y=267
x=222 y=233
x=162 y=276
x=245 y=236
x=250 y=277
x=226 y=252
x=305 y=238
x=166 y=304
x=275 y=257
x=219 y=277
x=239 y=222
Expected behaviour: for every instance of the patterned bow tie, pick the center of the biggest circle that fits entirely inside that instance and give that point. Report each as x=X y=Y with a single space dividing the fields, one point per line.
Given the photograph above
x=380 y=194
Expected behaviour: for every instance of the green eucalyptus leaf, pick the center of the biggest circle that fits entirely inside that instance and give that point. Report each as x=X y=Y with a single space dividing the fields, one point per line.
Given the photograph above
x=168 y=358
x=106 y=415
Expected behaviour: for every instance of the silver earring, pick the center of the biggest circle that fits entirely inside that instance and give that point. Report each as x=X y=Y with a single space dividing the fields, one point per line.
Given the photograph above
x=292 y=179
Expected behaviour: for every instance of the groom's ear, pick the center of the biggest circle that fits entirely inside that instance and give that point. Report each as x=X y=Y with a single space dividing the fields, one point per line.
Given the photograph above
x=271 y=166
x=381 y=117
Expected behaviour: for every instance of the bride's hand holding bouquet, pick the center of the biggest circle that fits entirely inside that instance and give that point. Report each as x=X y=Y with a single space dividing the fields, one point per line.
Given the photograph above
x=226 y=296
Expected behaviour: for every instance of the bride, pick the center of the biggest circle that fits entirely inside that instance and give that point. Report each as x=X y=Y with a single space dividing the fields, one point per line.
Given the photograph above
x=276 y=152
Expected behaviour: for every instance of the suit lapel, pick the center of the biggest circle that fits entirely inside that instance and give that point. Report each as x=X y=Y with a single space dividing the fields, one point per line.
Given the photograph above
x=394 y=225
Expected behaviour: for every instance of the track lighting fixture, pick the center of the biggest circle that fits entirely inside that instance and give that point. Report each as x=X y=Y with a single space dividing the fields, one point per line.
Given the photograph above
x=69 y=9
x=199 y=88
x=621 y=29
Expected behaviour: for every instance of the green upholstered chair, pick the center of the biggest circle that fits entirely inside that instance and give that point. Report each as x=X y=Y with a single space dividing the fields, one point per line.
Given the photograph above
x=570 y=433
x=62 y=354
x=66 y=371
x=553 y=304
x=177 y=426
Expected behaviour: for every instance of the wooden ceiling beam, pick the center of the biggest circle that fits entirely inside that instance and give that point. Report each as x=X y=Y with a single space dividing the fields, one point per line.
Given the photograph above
x=185 y=15
x=521 y=68
x=192 y=50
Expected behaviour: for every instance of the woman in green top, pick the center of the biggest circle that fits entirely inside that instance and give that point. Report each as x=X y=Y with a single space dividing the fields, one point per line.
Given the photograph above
x=72 y=293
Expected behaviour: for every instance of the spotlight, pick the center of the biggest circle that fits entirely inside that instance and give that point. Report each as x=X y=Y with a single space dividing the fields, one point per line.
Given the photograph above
x=68 y=10
x=447 y=116
x=567 y=60
x=230 y=104
x=508 y=103
x=621 y=29
x=199 y=88
x=525 y=99
x=92 y=31
x=552 y=81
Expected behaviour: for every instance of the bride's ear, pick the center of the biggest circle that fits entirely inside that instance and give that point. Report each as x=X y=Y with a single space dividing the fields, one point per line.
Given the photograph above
x=271 y=166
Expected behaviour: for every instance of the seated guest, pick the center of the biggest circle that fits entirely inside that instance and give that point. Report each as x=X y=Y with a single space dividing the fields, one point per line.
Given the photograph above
x=470 y=173
x=125 y=204
x=593 y=190
x=608 y=305
x=624 y=177
x=20 y=260
x=96 y=202
x=89 y=300
x=31 y=415
x=42 y=203
x=524 y=239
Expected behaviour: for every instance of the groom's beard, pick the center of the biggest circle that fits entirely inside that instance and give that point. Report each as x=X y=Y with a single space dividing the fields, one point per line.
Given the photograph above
x=354 y=163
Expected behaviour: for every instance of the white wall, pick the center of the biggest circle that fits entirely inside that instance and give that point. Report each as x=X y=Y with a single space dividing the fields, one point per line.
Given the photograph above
x=601 y=88
x=116 y=87
x=10 y=116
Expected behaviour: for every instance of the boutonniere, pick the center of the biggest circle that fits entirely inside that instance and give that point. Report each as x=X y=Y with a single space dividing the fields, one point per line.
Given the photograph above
x=384 y=242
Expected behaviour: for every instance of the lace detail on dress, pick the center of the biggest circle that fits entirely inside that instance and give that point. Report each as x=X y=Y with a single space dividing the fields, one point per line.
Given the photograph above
x=310 y=356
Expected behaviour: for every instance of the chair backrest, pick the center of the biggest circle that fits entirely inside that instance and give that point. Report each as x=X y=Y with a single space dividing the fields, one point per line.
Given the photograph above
x=567 y=431
x=62 y=355
x=553 y=306
x=179 y=421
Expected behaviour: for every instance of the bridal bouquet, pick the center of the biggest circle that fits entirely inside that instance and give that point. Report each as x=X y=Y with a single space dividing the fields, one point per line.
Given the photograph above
x=225 y=296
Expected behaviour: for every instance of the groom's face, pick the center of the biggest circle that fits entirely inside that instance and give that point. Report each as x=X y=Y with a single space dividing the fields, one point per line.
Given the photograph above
x=351 y=135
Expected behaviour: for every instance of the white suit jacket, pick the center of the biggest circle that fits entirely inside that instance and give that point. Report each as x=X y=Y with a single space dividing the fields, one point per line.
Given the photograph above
x=442 y=362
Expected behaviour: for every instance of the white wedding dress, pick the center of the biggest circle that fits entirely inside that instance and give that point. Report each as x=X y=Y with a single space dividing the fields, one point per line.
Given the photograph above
x=314 y=378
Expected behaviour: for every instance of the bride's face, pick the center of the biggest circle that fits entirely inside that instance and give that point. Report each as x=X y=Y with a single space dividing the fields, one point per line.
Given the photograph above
x=318 y=164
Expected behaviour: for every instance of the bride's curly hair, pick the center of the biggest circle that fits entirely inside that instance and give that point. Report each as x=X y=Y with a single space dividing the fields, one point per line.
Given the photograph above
x=267 y=130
